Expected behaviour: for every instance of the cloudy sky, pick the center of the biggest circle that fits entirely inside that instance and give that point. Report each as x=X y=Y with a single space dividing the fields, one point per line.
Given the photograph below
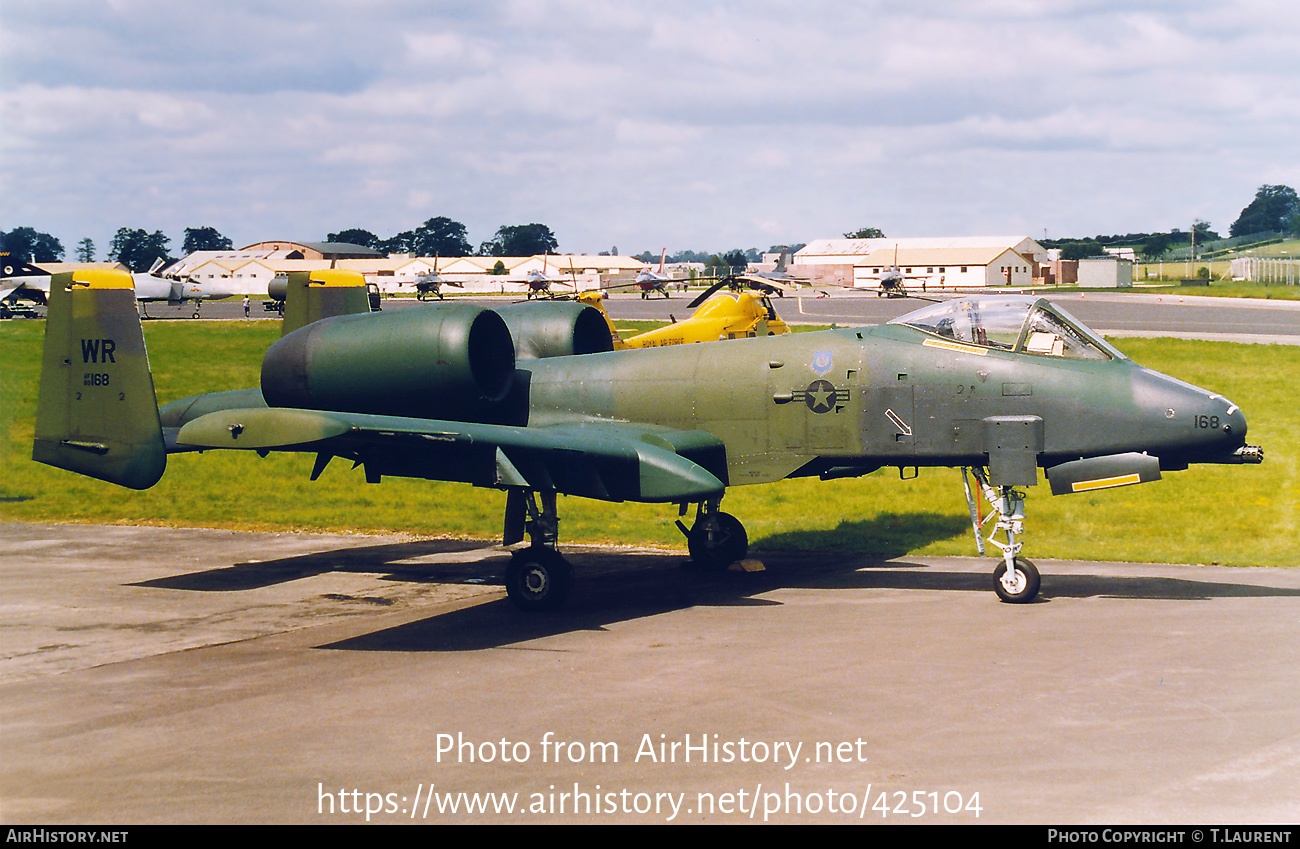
x=674 y=123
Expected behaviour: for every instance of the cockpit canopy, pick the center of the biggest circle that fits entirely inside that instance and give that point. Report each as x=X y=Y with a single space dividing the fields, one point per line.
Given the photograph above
x=1012 y=323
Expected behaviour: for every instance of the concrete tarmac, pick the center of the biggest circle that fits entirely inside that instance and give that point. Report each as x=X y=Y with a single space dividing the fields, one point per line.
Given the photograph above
x=156 y=675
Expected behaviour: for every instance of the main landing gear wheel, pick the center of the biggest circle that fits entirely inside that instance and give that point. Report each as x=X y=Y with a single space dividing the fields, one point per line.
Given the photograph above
x=538 y=578
x=1017 y=586
x=718 y=541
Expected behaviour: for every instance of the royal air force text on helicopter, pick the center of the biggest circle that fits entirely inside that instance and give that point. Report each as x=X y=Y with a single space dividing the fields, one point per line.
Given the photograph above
x=531 y=400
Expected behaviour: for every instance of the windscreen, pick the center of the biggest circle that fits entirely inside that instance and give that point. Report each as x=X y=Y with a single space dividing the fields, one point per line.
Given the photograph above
x=1010 y=323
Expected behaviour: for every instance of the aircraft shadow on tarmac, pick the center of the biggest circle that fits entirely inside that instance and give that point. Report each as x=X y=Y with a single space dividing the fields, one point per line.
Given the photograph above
x=617 y=586
x=402 y=560
x=395 y=558
x=650 y=584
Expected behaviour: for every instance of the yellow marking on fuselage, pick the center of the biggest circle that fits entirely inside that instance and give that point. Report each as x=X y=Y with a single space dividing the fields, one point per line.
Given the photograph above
x=955 y=346
x=1106 y=483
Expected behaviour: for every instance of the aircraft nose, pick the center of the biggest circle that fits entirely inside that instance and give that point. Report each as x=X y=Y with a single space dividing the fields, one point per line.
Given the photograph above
x=1234 y=421
x=1196 y=420
x=1218 y=425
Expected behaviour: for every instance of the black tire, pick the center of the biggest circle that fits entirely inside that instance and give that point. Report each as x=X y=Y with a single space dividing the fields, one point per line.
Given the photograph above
x=538 y=578
x=1024 y=589
x=729 y=543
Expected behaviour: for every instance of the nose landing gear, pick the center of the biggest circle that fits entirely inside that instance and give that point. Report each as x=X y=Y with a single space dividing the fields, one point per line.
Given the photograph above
x=1015 y=579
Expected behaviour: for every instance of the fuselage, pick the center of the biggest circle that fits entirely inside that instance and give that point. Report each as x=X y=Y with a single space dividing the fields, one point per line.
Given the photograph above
x=726 y=315
x=814 y=403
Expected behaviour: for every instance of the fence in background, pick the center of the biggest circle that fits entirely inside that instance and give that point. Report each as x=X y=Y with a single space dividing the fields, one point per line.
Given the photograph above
x=1265 y=270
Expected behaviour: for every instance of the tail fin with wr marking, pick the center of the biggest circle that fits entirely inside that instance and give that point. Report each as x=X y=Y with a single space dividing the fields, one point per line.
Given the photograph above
x=96 y=413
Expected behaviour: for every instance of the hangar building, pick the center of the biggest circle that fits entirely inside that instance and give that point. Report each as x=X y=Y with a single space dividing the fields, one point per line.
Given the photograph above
x=252 y=268
x=937 y=263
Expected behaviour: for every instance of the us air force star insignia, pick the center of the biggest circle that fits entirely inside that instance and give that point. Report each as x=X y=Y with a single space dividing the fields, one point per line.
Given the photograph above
x=821 y=396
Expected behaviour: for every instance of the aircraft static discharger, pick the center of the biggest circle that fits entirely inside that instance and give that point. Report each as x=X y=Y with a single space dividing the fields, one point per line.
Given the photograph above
x=450 y=391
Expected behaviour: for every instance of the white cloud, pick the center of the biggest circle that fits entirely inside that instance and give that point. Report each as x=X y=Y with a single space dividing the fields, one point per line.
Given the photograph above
x=703 y=124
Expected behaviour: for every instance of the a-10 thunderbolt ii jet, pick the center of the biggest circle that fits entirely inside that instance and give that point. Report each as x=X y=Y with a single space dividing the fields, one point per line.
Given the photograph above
x=529 y=399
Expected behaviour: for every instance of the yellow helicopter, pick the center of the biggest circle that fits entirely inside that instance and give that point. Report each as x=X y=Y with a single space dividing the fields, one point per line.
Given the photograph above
x=732 y=314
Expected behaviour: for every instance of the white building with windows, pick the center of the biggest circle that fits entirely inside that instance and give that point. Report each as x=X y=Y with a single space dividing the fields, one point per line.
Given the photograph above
x=931 y=263
x=253 y=268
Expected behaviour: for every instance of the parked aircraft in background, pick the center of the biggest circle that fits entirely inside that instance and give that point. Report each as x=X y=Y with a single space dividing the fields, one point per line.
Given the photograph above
x=893 y=282
x=21 y=285
x=25 y=281
x=654 y=281
x=723 y=315
x=777 y=282
x=540 y=282
x=431 y=284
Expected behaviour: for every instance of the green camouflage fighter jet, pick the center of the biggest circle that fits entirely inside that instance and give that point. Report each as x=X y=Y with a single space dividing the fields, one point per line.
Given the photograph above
x=528 y=399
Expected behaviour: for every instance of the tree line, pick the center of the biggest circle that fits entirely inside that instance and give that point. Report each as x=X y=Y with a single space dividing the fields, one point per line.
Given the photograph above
x=138 y=250
x=1274 y=209
x=736 y=258
x=442 y=236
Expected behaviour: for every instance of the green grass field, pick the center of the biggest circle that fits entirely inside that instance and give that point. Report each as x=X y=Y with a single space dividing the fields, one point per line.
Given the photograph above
x=1237 y=515
x=1226 y=289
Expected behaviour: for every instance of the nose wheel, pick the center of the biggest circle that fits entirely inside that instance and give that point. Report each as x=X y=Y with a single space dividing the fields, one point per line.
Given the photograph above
x=1017 y=584
x=1015 y=579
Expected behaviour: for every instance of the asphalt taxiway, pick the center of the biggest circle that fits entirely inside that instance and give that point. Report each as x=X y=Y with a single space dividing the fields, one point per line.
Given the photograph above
x=203 y=676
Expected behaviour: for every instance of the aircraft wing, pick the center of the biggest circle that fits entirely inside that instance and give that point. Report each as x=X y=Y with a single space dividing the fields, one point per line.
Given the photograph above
x=610 y=461
x=27 y=291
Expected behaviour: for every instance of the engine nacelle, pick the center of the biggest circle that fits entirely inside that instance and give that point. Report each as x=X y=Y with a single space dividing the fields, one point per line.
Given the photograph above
x=556 y=329
x=278 y=288
x=436 y=361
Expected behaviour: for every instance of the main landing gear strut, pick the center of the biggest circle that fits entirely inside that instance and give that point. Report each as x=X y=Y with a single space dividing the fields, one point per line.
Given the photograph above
x=1015 y=579
x=539 y=578
x=716 y=539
